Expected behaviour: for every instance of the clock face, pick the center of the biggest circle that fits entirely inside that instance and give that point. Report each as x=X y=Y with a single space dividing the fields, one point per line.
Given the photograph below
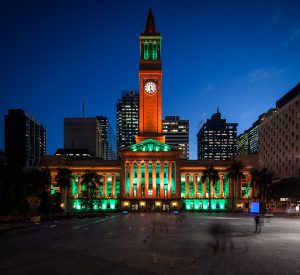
x=150 y=87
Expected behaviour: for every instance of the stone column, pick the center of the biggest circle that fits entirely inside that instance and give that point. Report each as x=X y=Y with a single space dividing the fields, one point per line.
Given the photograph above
x=154 y=179
x=131 y=181
x=169 y=179
x=79 y=186
x=146 y=180
x=104 y=185
x=187 y=186
x=204 y=189
x=138 y=184
x=113 y=185
x=195 y=186
x=161 y=180
x=221 y=185
x=212 y=190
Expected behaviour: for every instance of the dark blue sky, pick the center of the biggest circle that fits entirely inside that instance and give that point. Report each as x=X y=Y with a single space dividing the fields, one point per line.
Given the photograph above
x=239 y=55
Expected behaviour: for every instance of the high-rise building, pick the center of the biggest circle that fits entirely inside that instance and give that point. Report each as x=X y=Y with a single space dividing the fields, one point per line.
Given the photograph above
x=217 y=139
x=247 y=142
x=25 y=138
x=242 y=143
x=176 y=132
x=279 y=137
x=108 y=139
x=84 y=133
x=127 y=118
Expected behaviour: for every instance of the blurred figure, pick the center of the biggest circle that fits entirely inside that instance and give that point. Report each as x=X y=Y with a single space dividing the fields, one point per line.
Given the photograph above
x=257 y=224
x=222 y=236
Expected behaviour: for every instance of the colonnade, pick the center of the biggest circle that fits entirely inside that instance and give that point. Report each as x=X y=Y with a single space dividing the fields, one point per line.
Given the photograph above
x=147 y=179
x=109 y=182
x=224 y=186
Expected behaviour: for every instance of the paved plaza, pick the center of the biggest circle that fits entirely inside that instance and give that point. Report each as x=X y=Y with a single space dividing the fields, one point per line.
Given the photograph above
x=154 y=243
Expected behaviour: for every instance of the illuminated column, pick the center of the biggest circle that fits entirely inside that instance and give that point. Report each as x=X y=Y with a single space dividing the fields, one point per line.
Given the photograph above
x=169 y=179
x=113 y=185
x=104 y=185
x=204 y=189
x=212 y=189
x=161 y=180
x=138 y=183
x=195 y=186
x=154 y=179
x=187 y=186
x=221 y=185
x=131 y=181
x=146 y=180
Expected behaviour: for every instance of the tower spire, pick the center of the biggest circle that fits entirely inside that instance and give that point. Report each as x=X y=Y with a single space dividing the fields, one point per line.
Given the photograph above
x=150 y=28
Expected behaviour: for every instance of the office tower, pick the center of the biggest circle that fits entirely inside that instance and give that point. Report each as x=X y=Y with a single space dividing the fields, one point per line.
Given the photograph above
x=25 y=138
x=279 y=133
x=242 y=143
x=108 y=139
x=127 y=118
x=176 y=132
x=217 y=139
x=84 y=133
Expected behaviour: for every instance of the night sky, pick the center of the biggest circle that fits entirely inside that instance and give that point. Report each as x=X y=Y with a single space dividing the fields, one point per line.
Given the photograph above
x=240 y=56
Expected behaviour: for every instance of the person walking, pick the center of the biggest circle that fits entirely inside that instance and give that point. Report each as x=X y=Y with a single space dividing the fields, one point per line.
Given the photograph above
x=257 y=224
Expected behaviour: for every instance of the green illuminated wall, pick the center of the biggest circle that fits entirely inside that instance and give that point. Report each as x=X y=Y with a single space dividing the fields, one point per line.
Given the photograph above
x=99 y=205
x=127 y=179
x=135 y=177
x=182 y=186
x=173 y=179
x=118 y=186
x=226 y=185
x=166 y=176
x=200 y=188
x=157 y=178
x=191 y=186
x=203 y=204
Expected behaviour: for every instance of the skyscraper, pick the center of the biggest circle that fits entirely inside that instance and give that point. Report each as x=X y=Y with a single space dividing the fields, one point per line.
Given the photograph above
x=127 y=118
x=279 y=137
x=176 y=132
x=242 y=143
x=25 y=138
x=217 y=139
x=108 y=139
x=84 y=133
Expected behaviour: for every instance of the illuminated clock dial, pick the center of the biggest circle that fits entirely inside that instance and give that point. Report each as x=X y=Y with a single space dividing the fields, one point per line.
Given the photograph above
x=150 y=87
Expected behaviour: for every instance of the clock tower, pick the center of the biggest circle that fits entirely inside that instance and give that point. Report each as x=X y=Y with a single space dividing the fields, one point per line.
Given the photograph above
x=150 y=77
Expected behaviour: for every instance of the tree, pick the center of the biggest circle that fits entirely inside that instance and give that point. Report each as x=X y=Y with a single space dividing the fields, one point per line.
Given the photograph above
x=90 y=181
x=37 y=181
x=63 y=179
x=261 y=179
x=235 y=175
x=212 y=176
x=13 y=190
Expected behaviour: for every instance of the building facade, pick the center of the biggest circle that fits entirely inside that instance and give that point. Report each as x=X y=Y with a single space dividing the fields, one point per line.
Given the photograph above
x=108 y=139
x=25 y=138
x=242 y=143
x=127 y=118
x=176 y=132
x=150 y=174
x=84 y=133
x=217 y=139
x=279 y=134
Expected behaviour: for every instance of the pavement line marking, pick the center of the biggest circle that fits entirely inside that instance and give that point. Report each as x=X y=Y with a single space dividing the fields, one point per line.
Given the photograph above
x=53 y=225
x=83 y=225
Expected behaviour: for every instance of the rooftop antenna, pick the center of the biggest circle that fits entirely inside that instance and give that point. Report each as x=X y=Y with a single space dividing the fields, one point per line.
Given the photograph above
x=83 y=106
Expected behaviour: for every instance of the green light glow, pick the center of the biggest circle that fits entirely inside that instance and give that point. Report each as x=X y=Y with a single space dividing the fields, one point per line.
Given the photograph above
x=99 y=205
x=149 y=145
x=203 y=204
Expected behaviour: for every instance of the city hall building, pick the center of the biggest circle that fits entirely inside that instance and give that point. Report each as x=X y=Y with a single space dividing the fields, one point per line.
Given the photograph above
x=150 y=174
